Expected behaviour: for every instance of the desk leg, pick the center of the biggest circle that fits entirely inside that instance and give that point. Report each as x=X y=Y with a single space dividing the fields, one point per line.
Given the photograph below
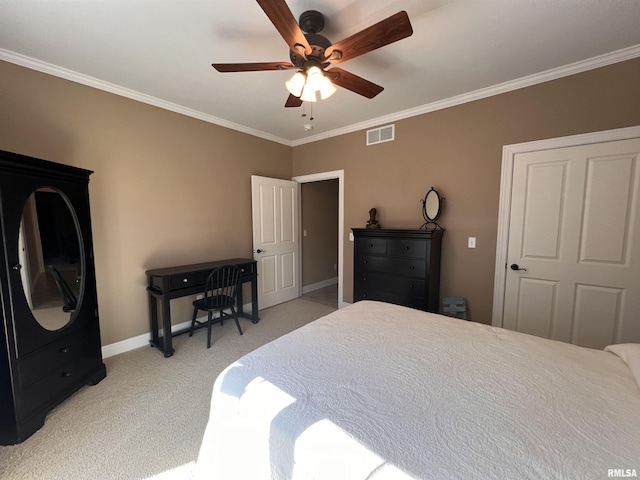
x=153 y=319
x=254 y=299
x=167 y=343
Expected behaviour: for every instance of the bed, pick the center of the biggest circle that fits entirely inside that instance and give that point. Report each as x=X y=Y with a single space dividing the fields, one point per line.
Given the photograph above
x=378 y=391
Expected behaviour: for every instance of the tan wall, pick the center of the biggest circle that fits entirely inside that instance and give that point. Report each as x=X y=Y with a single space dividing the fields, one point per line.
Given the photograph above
x=320 y=220
x=167 y=189
x=458 y=151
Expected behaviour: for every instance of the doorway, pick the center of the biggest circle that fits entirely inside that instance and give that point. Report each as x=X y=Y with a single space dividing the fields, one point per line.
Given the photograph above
x=331 y=183
x=567 y=249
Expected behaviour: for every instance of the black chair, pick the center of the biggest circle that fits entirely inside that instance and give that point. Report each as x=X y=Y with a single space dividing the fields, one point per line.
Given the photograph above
x=219 y=295
x=69 y=298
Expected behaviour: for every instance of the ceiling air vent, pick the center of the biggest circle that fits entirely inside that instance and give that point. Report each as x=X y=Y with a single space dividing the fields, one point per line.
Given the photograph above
x=381 y=134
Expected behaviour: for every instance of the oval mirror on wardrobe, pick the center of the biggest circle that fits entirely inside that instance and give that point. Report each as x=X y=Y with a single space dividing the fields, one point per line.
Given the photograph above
x=52 y=263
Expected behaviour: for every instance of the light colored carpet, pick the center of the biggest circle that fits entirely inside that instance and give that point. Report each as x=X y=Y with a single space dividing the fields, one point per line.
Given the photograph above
x=326 y=296
x=147 y=418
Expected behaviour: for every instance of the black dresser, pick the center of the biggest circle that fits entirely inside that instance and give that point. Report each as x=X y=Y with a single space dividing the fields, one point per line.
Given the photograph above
x=398 y=266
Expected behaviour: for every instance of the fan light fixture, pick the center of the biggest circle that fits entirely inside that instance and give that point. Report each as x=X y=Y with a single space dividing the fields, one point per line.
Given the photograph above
x=306 y=85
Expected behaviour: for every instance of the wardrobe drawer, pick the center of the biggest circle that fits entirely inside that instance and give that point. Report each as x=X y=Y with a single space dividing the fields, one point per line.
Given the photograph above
x=406 y=247
x=377 y=246
x=59 y=383
x=397 y=266
x=393 y=284
x=56 y=354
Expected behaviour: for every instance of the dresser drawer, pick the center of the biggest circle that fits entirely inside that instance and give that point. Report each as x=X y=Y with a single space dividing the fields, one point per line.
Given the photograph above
x=377 y=246
x=393 y=284
x=419 y=303
x=407 y=247
x=58 y=384
x=40 y=363
x=396 y=266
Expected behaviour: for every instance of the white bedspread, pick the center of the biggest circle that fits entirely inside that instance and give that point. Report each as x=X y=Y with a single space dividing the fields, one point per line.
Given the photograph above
x=377 y=391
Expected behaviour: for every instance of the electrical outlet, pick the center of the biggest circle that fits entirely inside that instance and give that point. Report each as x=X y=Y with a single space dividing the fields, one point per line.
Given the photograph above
x=335 y=266
x=304 y=233
x=471 y=242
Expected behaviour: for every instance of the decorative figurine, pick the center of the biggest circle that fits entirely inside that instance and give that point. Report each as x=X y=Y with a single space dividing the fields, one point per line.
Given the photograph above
x=372 y=222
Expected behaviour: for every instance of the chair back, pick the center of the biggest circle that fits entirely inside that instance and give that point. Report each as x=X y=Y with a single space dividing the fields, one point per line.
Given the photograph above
x=69 y=298
x=221 y=286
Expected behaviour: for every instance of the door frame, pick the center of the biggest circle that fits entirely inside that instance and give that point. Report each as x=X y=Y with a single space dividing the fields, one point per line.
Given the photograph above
x=317 y=177
x=509 y=153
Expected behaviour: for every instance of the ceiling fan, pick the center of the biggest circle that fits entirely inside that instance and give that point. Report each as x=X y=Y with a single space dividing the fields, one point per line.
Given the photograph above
x=311 y=54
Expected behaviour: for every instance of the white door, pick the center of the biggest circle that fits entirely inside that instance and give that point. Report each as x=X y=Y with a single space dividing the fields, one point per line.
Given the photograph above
x=573 y=255
x=276 y=246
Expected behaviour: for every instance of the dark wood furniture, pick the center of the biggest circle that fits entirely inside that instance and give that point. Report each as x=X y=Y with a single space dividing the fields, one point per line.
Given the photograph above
x=219 y=295
x=398 y=266
x=40 y=364
x=165 y=284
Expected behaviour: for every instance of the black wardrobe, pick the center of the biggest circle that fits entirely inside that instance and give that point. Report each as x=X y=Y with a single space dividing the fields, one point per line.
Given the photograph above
x=49 y=332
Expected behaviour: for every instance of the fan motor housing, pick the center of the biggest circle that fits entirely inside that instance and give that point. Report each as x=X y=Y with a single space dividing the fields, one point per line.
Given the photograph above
x=311 y=22
x=318 y=45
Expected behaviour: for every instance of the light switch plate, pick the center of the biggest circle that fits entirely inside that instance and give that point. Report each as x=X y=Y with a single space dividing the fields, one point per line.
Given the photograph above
x=472 y=242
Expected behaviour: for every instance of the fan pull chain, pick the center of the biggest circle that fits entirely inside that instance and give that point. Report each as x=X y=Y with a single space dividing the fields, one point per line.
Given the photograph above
x=304 y=110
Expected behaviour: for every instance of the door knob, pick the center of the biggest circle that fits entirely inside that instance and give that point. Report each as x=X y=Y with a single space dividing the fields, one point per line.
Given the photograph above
x=516 y=267
x=261 y=251
x=17 y=266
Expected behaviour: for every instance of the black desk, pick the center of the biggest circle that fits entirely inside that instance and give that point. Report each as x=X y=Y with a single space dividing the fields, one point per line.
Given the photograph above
x=165 y=284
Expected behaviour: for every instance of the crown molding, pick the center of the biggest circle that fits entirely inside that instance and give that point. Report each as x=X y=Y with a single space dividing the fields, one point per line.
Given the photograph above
x=48 y=68
x=530 y=80
x=548 y=75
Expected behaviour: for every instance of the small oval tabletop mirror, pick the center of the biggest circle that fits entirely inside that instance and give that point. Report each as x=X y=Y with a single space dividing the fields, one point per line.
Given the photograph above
x=50 y=254
x=431 y=208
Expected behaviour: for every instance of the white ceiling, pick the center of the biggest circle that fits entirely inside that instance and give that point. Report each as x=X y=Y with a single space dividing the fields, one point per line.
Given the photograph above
x=160 y=52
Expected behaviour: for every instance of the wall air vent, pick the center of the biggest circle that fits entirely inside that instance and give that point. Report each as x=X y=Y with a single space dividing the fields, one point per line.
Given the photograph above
x=381 y=134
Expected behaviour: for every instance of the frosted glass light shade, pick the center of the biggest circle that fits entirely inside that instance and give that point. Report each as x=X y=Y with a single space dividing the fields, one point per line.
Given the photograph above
x=327 y=88
x=308 y=94
x=295 y=84
x=315 y=78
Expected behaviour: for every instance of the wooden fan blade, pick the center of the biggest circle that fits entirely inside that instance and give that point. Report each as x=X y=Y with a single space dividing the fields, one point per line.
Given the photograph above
x=293 y=101
x=251 y=67
x=352 y=82
x=394 y=28
x=286 y=24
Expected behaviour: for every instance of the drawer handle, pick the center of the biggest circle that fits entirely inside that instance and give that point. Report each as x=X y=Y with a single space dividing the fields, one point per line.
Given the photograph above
x=406 y=248
x=412 y=267
x=364 y=279
x=411 y=286
x=65 y=374
x=365 y=262
x=371 y=245
x=185 y=280
x=64 y=350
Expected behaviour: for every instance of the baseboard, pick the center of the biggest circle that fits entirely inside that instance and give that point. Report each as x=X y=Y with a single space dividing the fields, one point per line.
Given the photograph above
x=143 y=340
x=319 y=285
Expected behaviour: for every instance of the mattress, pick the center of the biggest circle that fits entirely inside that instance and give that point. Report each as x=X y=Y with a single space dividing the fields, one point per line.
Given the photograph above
x=379 y=391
